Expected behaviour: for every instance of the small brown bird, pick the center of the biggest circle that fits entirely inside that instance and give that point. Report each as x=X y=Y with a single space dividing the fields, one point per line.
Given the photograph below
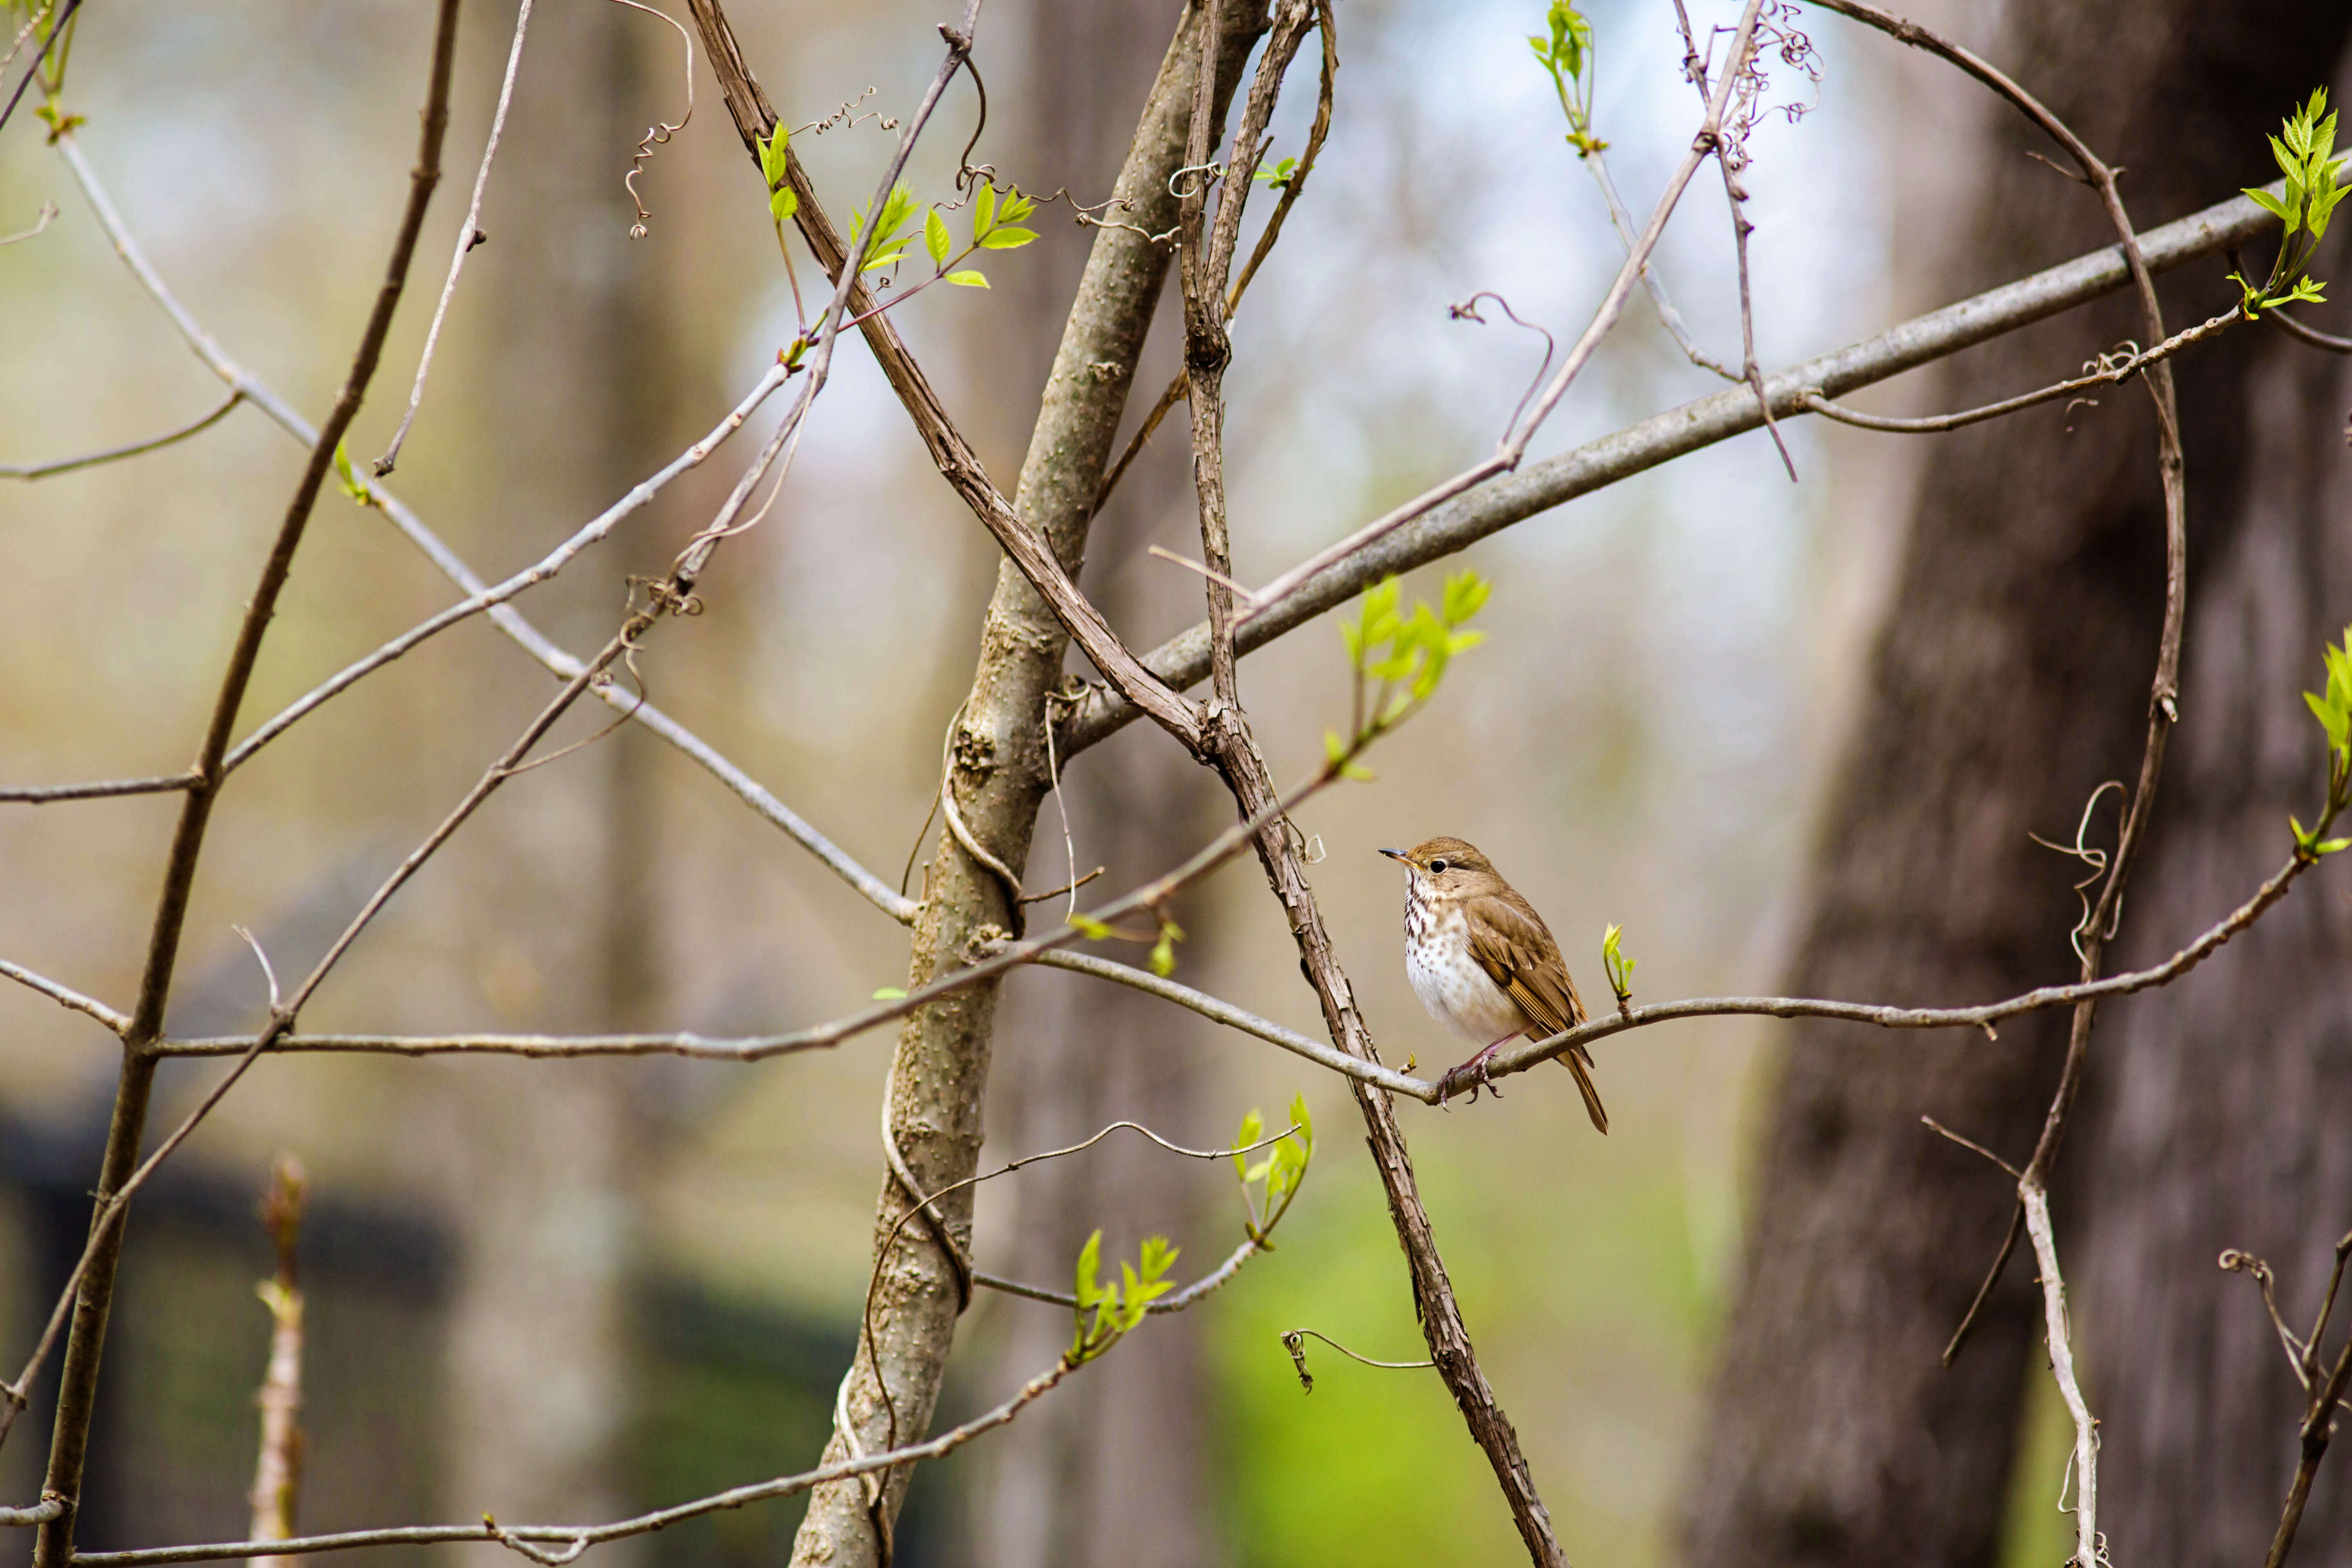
x=1483 y=962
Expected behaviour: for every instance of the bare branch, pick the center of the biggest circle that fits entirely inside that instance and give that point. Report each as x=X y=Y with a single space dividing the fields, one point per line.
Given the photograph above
x=1528 y=1053
x=94 y=1282
x=113 y=454
x=66 y=996
x=1507 y=456
x=2106 y=376
x=597 y=1534
x=2312 y=335
x=1321 y=1052
x=593 y=532
x=469 y=235
x=41 y=1512
x=41 y=225
x=1183 y=660
x=528 y=637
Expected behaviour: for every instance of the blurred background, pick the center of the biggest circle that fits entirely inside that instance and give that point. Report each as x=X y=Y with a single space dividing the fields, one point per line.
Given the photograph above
x=568 y=1291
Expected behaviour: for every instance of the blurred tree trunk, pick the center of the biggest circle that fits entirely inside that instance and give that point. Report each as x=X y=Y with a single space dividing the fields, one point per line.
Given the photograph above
x=2217 y=1116
x=2011 y=678
x=580 y=391
x=1115 y=1467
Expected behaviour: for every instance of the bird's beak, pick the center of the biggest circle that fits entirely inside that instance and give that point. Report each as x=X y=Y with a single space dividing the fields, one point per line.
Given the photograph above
x=1398 y=855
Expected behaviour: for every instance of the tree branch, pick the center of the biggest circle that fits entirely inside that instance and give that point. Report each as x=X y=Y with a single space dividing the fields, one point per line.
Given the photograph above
x=1183 y=660
x=77 y=1379
x=521 y=632
x=66 y=996
x=115 y=454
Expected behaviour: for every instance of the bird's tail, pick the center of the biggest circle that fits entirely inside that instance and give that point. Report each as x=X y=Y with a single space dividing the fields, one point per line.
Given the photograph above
x=1575 y=1060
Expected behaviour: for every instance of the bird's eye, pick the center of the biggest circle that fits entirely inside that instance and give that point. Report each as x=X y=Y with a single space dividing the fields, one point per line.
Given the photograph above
x=1437 y=865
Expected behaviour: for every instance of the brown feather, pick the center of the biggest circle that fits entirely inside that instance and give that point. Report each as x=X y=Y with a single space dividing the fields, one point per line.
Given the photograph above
x=1511 y=941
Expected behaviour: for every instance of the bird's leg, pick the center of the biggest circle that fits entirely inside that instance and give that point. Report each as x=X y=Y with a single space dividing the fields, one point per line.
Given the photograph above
x=1476 y=1068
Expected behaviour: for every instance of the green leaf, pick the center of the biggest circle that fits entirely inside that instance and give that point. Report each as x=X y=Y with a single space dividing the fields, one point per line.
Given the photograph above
x=2269 y=204
x=983 y=211
x=1016 y=206
x=1007 y=239
x=784 y=202
x=1089 y=1291
x=774 y=162
x=1091 y=928
x=1253 y=1129
x=2332 y=845
x=1305 y=1122
x=890 y=993
x=1465 y=595
x=935 y=238
x=968 y=279
x=1159 y=1258
x=347 y=478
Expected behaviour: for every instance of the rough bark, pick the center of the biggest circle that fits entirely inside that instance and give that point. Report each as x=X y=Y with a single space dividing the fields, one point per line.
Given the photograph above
x=939 y=1073
x=2214 y=1115
x=2009 y=683
x=1115 y=1467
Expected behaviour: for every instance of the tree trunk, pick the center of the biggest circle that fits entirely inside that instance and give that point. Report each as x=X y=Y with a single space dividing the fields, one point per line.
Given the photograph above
x=939 y=1074
x=1115 y=1467
x=547 y=1173
x=2216 y=1117
x=2010 y=681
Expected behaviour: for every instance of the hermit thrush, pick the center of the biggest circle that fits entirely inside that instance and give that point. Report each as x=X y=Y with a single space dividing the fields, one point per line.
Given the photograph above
x=1483 y=962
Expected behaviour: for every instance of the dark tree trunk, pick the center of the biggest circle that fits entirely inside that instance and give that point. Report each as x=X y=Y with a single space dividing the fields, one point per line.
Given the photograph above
x=2011 y=680
x=2219 y=1114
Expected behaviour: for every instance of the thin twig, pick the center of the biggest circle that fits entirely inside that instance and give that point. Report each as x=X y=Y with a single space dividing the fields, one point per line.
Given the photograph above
x=519 y=630
x=2107 y=375
x=93 y=1285
x=112 y=453
x=49 y=212
x=589 y=533
x=1513 y=446
x=1183 y=661
x=66 y=996
x=469 y=235
x=944 y=1444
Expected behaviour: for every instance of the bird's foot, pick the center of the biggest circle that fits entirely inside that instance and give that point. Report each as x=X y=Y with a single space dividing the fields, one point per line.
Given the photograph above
x=1474 y=1074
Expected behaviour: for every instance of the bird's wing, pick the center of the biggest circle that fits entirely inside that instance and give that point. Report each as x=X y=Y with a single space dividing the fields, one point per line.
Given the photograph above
x=1511 y=943
x=1515 y=948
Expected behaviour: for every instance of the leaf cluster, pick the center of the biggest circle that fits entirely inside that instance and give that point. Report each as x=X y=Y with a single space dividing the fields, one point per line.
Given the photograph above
x=1399 y=658
x=776 y=165
x=1566 y=56
x=995 y=225
x=1277 y=1175
x=1121 y=1304
x=2333 y=708
x=2314 y=183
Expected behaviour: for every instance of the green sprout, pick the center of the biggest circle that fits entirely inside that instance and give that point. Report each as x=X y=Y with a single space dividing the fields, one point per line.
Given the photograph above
x=1567 y=57
x=1278 y=176
x=1405 y=655
x=348 y=480
x=2333 y=708
x=1277 y=1175
x=1120 y=1305
x=2313 y=186
x=1163 y=951
x=1619 y=968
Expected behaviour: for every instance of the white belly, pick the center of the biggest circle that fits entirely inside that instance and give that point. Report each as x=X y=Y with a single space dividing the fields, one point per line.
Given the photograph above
x=1456 y=991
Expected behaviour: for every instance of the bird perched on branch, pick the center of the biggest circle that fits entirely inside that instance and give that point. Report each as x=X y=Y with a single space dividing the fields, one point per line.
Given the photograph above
x=1484 y=964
